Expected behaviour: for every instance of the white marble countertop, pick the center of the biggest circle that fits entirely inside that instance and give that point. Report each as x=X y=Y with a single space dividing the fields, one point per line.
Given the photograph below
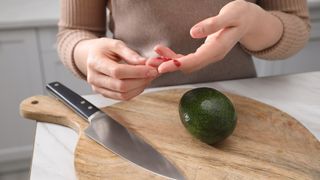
x=37 y=13
x=297 y=94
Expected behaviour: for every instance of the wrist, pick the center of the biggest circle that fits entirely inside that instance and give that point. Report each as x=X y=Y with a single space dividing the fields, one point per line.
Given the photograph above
x=253 y=21
x=80 y=54
x=264 y=31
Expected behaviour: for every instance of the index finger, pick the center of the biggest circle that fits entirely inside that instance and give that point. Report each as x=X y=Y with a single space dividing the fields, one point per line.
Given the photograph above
x=211 y=51
x=126 y=71
x=193 y=61
x=181 y=63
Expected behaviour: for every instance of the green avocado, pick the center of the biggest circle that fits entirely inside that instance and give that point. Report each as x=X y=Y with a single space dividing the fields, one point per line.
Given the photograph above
x=207 y=114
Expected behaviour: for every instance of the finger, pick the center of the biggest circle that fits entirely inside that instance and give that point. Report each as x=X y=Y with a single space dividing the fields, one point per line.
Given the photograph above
x=118 y=85
x=122 y=71
x=154 y=62
x=165 y=51
x=212 y=51
x=126 y=53
x=125 y=71
x=189 y=63
x=118 y=95
x=169 y=66
x=212 y=25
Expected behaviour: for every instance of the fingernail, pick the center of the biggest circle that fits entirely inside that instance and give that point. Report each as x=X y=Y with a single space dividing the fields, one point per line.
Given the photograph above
x=197 y=31
x=152 y=73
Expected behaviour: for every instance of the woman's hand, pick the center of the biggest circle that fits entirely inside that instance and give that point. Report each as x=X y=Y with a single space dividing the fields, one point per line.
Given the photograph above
x=165 y=53
x=114 y=70
x=238 y=21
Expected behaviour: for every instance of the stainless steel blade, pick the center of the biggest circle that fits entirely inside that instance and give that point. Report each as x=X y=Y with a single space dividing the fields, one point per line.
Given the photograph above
x=115 y=137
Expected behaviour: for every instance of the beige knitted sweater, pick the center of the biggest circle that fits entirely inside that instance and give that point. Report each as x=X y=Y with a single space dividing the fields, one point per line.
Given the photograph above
x=142 y=24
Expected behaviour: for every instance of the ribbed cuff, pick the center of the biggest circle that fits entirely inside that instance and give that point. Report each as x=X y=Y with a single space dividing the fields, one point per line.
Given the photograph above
x=294 y=37
x=66 y=48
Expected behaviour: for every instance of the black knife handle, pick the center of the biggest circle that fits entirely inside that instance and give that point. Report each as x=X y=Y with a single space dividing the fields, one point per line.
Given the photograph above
x=81 y=106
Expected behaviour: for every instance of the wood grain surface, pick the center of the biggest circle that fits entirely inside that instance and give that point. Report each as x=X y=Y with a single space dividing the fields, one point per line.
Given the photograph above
x=266 y=144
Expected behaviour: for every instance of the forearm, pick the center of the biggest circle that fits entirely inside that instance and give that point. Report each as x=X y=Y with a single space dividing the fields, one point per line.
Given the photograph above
x=68 y=39
x=264 y=33
x=79 y=20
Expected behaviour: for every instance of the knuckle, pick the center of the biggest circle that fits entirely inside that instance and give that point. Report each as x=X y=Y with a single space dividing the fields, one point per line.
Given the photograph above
x=107 y=82
x=209 y=26
x=211 y=22
x=101 y=42
x=118 y=44
x=241 y=5
x=103 y=39
x=238 y=2
x=122 y=86
x=238 y=7
x=115 y=71
x=124 y=96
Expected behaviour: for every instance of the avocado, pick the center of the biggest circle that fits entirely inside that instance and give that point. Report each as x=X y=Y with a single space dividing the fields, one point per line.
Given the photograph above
x=207 y=114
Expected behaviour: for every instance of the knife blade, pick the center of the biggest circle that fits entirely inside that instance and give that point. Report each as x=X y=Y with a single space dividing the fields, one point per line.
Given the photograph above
x=113 y=136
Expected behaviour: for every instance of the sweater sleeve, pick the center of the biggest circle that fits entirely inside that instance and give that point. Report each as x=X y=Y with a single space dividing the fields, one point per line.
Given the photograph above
x=79 y=20
x=296 y=28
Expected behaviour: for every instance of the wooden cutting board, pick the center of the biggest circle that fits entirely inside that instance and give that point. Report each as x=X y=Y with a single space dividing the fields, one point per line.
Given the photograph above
x=266 y=144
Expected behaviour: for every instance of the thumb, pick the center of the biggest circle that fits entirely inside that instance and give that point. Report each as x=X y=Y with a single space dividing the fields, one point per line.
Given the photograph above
x=209 y=26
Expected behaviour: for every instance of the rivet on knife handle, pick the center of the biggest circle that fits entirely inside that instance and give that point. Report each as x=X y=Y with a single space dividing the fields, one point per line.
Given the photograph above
x=72 y=99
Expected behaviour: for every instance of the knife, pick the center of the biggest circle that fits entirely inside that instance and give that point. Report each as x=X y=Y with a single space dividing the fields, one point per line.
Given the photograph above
x=115 y=137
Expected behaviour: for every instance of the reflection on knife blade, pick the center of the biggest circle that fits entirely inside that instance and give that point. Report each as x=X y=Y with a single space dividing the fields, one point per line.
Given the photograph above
x=124 y=143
